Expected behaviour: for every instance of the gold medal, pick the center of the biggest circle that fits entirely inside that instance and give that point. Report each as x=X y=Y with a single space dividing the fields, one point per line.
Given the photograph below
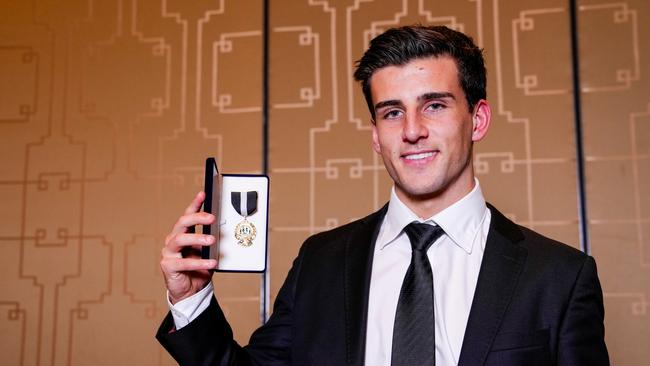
x=245 y=203
x=245 y=233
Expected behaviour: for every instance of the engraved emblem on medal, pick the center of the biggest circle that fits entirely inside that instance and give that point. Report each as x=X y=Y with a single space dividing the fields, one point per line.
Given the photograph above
x=245 y=203
x=245 y=233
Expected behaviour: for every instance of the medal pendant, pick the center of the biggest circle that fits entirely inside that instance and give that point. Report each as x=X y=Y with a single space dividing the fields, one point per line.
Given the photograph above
x=245 y=233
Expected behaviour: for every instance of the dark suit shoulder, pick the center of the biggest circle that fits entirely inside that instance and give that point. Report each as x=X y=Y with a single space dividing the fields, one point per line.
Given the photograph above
x=546 y=257
x=537 y=242
x=534 y=242
x=556 y=300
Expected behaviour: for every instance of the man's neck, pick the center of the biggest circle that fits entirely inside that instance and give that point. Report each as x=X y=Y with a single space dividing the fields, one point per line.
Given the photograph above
x=426 y=206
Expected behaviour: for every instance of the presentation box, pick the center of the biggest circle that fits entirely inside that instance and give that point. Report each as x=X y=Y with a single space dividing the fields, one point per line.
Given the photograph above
x=240 y=203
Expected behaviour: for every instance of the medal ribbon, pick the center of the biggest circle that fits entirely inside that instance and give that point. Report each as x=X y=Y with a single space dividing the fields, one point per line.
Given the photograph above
x=244 y=204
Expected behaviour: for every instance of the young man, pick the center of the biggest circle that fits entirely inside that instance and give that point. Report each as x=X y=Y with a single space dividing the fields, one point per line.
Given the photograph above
x=436 y=277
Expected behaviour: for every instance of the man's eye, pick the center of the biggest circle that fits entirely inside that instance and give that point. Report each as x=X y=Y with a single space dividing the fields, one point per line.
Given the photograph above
x=392 y=114
x=435 y=106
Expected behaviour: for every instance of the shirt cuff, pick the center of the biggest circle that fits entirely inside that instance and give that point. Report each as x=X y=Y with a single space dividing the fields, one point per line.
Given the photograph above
x=191 y=307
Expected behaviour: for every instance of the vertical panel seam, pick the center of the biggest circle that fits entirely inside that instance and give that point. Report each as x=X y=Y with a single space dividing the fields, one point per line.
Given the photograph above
x=264 y=286
x=577 y=107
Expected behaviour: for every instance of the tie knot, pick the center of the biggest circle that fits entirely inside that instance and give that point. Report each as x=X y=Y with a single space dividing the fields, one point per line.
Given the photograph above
x=422 y=235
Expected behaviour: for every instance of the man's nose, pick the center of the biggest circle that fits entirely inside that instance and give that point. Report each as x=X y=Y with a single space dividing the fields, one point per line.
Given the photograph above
x=414 y=129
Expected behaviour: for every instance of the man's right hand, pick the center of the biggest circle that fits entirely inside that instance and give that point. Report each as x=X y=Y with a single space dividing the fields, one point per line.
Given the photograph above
x=184 y=271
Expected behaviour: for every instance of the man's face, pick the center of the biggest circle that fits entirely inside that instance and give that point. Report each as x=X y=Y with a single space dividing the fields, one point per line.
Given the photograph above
x=424 y=130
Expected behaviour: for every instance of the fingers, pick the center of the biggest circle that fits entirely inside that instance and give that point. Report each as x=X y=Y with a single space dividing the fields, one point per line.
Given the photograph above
x=186 y=275
x=180 y=237
x=192 y=216
x=176 y=242
x=196 y=203
x=176 y=265
x=191 y=219
x=195 y=206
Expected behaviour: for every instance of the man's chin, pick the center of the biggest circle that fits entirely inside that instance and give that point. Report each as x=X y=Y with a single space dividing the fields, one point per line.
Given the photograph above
x=421 y=193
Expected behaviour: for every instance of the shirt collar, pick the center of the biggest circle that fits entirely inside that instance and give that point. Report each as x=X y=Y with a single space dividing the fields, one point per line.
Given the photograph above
x=461 y=221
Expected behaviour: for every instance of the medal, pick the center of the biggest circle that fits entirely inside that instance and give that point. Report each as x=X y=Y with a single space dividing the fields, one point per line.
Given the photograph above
x=245 y=203
x=245 y=232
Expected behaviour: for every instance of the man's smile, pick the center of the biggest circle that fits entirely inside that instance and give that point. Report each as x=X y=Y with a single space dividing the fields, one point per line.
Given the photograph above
x=419 y=156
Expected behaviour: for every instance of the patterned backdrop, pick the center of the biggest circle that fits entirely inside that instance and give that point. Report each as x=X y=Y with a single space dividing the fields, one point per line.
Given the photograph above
x=108 y=109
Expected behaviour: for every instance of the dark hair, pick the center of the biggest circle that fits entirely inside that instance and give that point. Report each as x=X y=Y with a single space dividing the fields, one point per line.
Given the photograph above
x=399 y=46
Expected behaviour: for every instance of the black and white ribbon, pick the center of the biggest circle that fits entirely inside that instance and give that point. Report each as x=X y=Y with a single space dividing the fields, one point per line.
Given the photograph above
x=244 y=204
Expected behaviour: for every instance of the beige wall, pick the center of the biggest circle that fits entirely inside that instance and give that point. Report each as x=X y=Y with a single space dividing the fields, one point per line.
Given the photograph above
x=108 y=108
x=615 y=52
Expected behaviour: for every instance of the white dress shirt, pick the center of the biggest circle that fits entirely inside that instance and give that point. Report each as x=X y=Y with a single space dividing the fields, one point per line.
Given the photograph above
x=455 y=259
x=191 y=307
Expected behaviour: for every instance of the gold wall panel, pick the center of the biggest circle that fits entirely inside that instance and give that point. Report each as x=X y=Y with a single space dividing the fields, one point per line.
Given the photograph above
x=615 y=91
x=108 y=108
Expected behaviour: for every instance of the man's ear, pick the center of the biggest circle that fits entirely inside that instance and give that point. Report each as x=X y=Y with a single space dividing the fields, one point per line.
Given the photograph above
x=375 y=138
x=481 y=120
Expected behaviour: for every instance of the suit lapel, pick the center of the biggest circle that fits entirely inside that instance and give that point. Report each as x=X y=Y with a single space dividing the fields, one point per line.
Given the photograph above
x=502 y=263
x=358 y=266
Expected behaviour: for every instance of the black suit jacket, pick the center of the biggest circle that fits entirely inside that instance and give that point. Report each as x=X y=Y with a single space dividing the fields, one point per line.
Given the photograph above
x=537 y=302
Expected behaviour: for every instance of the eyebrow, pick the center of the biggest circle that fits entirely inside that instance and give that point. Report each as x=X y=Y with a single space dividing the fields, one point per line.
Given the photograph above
x=387 y=103
x=426 y=96
x=437 y=95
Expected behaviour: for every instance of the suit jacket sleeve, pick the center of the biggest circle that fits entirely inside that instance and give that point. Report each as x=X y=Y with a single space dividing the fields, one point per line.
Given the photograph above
x=582 y=333
x=208 y=340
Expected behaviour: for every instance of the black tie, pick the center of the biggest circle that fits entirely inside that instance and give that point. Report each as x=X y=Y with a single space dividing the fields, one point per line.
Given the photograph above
x=414 y=332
